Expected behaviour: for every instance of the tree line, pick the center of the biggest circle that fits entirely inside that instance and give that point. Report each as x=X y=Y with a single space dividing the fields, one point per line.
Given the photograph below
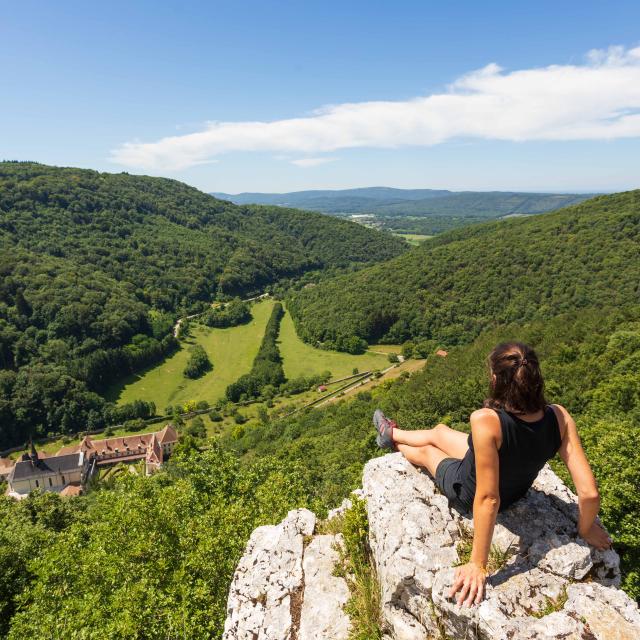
x=267 y=369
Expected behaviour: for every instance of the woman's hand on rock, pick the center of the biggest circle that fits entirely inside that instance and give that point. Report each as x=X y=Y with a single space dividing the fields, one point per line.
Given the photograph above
x=597 y=537
x=469 y=580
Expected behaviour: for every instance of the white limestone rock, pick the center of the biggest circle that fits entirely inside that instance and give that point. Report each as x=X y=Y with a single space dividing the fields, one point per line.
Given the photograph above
x=413 y=535
x=325 y=595
x=268 y=580
x=609 y=614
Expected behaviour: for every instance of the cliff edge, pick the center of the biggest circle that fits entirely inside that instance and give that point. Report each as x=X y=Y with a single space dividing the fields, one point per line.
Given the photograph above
x=546 y=582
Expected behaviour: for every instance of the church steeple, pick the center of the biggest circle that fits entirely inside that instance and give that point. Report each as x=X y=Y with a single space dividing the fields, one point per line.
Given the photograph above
x=33 y=453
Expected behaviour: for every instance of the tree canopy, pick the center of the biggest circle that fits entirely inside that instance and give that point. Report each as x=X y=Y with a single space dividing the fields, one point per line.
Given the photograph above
x=454 y=286
x=95 y=269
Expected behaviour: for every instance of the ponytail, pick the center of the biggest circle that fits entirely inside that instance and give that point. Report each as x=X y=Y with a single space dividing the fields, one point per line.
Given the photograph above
x=516 y=382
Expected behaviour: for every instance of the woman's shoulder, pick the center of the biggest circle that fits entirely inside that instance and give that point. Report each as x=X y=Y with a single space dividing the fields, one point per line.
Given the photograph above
x=484 y=414
x=486 y=419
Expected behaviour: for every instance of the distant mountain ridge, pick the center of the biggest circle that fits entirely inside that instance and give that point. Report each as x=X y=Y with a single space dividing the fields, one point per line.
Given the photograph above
x=391 y=202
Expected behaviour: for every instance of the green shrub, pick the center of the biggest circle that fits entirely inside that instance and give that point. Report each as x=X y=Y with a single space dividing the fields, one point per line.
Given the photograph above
x=198 y=363
x=197 y=428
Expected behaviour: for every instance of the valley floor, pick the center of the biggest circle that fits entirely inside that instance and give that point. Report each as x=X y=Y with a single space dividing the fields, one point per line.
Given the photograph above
x=232 y=351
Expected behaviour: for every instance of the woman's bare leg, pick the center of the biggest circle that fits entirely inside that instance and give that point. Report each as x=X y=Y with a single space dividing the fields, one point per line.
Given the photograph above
x=453 y=443
x=426 y=456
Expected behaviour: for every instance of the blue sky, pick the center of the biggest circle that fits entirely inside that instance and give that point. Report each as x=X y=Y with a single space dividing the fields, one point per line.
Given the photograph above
x=136 y=86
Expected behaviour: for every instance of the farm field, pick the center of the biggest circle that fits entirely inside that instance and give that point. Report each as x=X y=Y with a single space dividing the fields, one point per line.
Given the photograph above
x=231 y=351
x=301 y=359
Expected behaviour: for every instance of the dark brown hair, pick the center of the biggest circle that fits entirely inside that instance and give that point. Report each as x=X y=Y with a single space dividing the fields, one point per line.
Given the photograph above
x=518 y=386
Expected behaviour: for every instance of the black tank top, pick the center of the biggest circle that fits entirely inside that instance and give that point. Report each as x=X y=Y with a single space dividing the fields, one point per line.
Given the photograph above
x=525 y=448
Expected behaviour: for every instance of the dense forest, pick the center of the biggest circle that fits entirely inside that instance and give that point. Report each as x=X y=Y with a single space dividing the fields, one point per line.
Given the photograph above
x=174 y=539
x=458 y=284
x=96 y=267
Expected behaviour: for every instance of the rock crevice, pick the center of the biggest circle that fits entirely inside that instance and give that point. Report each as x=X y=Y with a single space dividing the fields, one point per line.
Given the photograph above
x=284 y=587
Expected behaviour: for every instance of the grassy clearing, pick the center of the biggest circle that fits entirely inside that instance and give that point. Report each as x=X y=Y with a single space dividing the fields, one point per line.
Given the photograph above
x=231 y=351
x=413 y=238
x=386 y=349
x=301 y=359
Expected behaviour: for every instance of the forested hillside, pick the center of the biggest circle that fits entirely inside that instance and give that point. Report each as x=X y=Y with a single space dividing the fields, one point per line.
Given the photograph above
x=456 y=285
x=196 y=522
x=95 y=268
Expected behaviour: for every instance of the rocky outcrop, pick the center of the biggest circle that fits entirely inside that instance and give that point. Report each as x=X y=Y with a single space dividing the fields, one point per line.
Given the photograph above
x=324 y=594
x=283 y=587
x=551 y=584
x=547 y=583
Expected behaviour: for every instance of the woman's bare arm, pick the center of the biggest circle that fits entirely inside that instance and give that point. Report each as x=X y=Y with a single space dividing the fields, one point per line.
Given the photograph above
x=470 y=578
x=574 y=457
x=484 y=425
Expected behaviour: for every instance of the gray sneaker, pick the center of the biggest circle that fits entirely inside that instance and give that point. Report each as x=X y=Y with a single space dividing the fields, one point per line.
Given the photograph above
x=385 y=427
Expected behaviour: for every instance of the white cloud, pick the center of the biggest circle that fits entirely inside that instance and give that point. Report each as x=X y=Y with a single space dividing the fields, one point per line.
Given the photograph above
x=597 y=100
x=312 y=162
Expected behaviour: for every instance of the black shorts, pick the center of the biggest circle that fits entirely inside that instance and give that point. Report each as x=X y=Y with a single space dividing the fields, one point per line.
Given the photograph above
x=448 y=481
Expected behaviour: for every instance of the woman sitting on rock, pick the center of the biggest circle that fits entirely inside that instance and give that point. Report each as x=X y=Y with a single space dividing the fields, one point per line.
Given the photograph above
x=511 y=439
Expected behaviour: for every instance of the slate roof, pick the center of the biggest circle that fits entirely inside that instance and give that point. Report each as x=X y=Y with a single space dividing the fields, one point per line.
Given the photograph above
x=25 y=469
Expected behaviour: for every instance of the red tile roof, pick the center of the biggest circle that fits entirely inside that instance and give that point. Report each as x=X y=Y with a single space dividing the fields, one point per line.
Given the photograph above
x=154 y=452
x=168 y=435
x=126 y=445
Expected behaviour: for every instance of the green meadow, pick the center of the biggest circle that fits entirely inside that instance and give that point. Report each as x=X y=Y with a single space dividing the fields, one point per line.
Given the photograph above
x=413 y=238
x=231 y=351
x=301 y=359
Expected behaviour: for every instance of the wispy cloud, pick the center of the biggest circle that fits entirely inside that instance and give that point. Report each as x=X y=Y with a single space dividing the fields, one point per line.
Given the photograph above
x=599 y=99
x=312 y=162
